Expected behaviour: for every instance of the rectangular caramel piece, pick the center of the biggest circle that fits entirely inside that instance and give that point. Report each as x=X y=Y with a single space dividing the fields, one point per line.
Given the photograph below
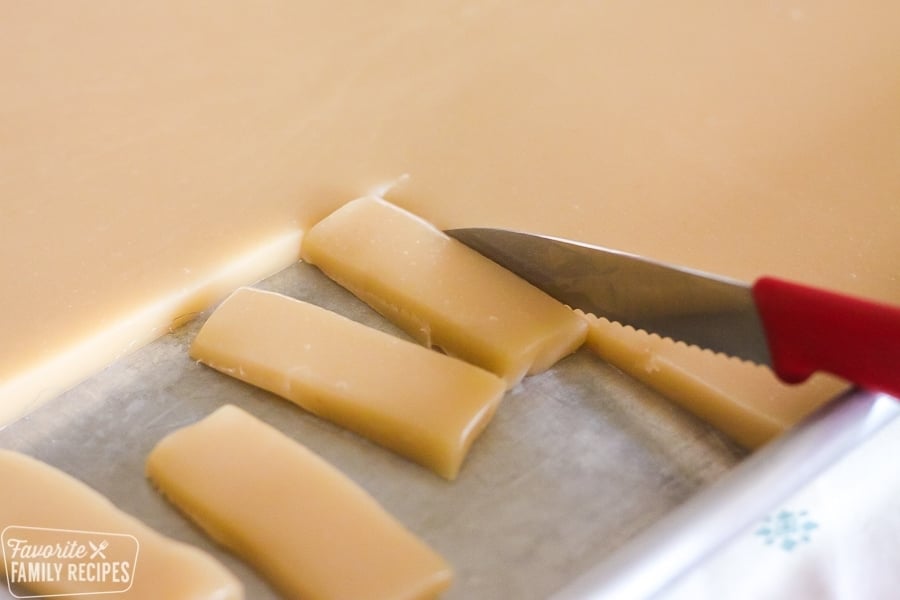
x=739 y=398
x=422 y=404
x=441 y=292
x=309 y=529
x=44 y=506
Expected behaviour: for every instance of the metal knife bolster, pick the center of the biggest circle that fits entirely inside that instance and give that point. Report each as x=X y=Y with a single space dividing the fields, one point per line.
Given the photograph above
x=690 y=306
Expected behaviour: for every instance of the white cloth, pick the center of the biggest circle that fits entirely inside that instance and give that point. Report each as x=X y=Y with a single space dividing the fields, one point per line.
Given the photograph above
x=836 y=538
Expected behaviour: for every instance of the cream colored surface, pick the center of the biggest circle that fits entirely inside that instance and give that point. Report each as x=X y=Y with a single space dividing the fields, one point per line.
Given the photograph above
x=38 y=495
x=311 y=531
x=422 y=404
x=440 y=292
x=149 y=147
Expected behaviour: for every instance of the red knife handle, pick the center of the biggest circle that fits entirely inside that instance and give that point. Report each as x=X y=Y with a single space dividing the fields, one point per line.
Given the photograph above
x=810 y=330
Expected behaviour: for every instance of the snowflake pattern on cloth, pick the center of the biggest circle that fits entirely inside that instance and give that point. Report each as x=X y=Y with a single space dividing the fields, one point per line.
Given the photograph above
x=835 y=537
x=788 y=529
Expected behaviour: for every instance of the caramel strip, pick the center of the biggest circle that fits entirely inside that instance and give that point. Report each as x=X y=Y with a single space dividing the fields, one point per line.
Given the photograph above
x=44 y=507
x=421 y=404
x=441 y=292
x=311 y=531
x=741 y=399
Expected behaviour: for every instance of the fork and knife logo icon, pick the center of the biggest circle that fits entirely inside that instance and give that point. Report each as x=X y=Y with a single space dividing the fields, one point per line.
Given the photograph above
x=97 y=549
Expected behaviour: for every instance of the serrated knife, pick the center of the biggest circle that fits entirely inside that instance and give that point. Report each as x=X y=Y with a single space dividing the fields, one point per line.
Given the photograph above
x=793 y=328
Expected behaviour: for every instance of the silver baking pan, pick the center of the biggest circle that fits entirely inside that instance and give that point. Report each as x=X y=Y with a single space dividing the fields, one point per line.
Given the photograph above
x=582 y=486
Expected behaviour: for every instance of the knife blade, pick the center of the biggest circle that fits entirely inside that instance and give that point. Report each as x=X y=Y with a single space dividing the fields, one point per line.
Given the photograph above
x=793 y=328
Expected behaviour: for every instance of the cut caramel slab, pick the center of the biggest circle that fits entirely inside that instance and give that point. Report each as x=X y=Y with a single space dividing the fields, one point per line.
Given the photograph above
x=427 y=406
x=62 y=510
x=310 y=530
x=739 y=398
x=441 y=292
x=177 y=150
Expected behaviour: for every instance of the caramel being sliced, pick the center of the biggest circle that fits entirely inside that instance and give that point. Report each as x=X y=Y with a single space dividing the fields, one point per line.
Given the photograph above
x=739 y=398
x=311 y=531
x=422 y=404
x=43 y=506
x=441 y=292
